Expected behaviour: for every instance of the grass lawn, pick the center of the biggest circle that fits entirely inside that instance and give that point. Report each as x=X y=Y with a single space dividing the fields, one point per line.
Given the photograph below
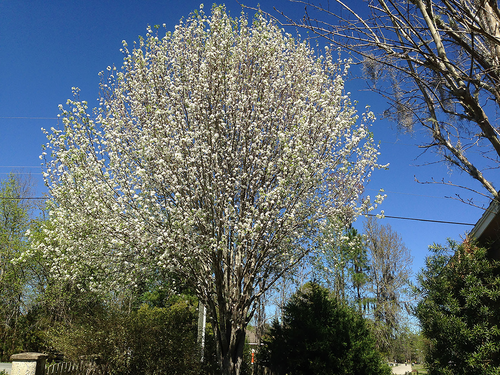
x=420 y=368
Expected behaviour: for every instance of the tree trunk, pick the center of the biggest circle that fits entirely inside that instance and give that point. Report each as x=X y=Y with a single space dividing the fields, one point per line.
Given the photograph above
x=232 y=357
x=229 y=322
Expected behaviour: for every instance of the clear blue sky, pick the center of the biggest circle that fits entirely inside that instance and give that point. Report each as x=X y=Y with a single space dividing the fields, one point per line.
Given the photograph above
x=47 y=47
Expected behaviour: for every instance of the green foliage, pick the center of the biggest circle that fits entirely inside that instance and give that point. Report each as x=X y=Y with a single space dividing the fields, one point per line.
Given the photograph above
x=406 y=346
x=16 y=281
x=459 y=310
x=319 y=335
x=165 y=338
x=145 y=330
x=342 y=263
x=148 y=340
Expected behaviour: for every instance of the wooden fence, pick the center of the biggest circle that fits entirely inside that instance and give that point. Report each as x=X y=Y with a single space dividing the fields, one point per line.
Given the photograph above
x=72 y=368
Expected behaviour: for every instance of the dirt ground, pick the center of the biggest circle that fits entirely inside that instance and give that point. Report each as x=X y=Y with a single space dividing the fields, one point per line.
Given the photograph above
x=401 y=368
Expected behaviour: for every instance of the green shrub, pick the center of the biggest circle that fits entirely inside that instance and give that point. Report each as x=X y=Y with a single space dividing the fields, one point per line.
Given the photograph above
x=148 y=340
x=164 y=338
x=459 y=310
x=319 y=335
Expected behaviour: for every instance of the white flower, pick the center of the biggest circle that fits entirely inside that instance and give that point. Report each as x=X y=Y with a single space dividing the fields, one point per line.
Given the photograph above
x=245 y=142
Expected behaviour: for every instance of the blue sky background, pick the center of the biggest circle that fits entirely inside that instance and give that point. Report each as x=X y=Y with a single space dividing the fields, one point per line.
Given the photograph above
x=47 y=47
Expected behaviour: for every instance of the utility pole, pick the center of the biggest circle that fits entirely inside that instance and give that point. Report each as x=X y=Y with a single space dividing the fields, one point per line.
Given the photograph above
x=202 y=320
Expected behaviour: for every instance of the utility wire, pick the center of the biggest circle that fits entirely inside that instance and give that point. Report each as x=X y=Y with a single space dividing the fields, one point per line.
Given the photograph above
x=21 y=173
x=385 y=216
x=29 y=118
x=21 y=198
x=426 y=220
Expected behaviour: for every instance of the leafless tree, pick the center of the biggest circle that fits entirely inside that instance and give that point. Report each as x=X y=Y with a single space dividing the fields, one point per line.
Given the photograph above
x=390 y=270
x=437 y=62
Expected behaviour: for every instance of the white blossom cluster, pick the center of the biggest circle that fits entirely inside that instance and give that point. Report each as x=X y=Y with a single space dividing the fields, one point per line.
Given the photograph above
x=217 y=151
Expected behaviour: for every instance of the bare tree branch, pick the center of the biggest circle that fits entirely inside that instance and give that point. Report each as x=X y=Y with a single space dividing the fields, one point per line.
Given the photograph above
x=437 y=62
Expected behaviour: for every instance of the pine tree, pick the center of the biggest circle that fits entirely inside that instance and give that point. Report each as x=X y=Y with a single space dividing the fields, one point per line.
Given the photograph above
x=321 y=335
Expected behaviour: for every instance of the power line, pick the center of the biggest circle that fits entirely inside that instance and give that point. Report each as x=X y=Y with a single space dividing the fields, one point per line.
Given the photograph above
x=28 y=118
x=18 y=169
x=425 y=220
x=385 y=216
x=23 y=198
x=21 y=173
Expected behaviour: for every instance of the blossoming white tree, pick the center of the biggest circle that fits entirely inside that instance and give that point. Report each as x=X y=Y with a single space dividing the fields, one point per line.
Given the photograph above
x=216 y=152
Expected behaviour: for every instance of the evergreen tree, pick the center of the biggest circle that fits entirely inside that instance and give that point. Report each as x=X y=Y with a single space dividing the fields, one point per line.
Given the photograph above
x=320 y=335
x=459 y=311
